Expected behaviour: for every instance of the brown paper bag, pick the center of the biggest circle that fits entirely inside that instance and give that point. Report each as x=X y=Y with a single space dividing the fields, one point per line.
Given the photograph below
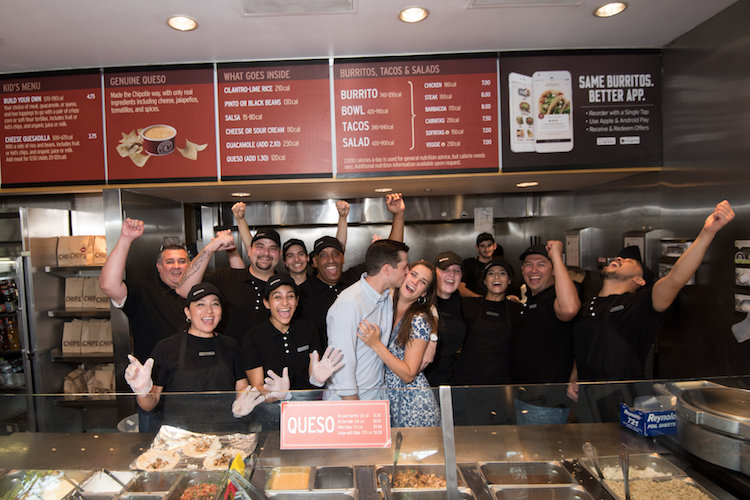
x=100 y=250
x=75 y=251
x=71 y=343
x=74 y=293
x=104 y=339
x=102 y=299
x=101 y=380
x=96 y=337
x=74 y=383
x=90 y=285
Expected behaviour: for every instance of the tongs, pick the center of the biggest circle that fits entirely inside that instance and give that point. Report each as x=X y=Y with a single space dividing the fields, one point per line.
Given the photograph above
x=625 y=465
x=124 y=486
x=251 y=490
x=78 y=491
x=590 y=451
x=396 y=452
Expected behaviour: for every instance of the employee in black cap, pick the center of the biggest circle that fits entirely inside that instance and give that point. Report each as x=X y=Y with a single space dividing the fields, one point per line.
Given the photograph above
x=320 y=291
x=242 y=288
x=282 y=342
x=451 y=325
x=616 y=329
x=197 y=360
x=543 y=341
x=472 y=284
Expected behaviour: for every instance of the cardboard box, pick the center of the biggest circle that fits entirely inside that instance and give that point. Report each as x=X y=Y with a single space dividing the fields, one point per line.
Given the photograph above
x=648 y=423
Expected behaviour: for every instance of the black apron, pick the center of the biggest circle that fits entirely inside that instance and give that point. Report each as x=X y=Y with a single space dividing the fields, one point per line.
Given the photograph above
x=608 y=355
x=201 y=412
x=485 y=357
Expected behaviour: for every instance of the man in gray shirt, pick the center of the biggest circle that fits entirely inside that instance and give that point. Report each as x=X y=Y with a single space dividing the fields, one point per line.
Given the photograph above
x=370 y=298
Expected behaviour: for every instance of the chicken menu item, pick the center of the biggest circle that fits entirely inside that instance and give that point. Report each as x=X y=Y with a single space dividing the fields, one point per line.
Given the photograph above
x=274 y=120
x=416 y=115
x=52 y=130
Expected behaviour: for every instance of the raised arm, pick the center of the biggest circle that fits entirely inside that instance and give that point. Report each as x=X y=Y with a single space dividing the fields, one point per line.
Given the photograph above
x=666 y=289
x=396 y=206
x=341 y=229
x=238 y=210
x=567 y=302
x=111 y=277
x=197 y=267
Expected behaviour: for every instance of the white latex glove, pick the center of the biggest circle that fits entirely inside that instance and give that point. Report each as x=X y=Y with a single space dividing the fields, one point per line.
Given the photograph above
x=277 y=387
x=322 y=369
x=247 y=401
x=138 y=376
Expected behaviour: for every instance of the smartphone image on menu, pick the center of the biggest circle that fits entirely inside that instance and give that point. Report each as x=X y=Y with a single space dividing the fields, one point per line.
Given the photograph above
x=553 y=111
x=521 y=113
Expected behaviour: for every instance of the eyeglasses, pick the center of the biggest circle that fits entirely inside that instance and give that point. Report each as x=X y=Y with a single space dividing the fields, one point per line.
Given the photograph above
x=172 y=245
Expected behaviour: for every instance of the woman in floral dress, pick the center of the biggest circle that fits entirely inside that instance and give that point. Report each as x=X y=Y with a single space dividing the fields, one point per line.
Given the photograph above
x=412 y=402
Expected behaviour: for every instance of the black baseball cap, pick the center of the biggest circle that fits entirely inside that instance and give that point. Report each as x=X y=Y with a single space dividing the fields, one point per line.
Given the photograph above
x=292 y=242
x=446 y=259
x=276 y=281
x=325 y=242
x=631 y=252
x=535 y=250
x=268 y=233
x=201 y=290
x=497 y=261
x=485 y=237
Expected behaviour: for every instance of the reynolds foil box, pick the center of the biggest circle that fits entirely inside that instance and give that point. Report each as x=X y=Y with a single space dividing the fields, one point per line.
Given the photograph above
x=648 y=423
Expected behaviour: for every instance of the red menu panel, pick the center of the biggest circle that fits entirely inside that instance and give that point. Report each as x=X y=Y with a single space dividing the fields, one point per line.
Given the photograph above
x=274 y=120
x=52 y=130
x=335 y=424
x=416 y=116
x=160 y=125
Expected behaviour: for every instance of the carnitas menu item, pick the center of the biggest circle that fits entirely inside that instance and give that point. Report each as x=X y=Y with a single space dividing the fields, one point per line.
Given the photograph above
x=160 y=124
x=52 y=129
x=397 y=116
x=274 y=120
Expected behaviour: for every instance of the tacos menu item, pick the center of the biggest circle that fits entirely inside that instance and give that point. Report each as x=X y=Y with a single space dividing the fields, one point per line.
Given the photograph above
x=200 y=447
x=553 y=102
x=221 y=459
x=157 y=460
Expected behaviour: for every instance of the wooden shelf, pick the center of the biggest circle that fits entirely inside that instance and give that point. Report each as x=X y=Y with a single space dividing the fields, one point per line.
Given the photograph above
x=79 y=313
x=57 y=356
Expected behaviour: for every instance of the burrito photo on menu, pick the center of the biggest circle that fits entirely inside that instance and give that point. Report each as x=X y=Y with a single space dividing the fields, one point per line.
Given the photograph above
x=553 y=127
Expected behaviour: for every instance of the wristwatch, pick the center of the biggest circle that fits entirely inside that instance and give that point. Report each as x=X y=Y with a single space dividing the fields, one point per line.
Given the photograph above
x=433 y=337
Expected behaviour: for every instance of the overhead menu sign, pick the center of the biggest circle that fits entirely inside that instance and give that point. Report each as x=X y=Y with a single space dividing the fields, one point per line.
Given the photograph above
x=580 y=111
x=160 y=124
x=274 y=120
x=401 y=116
x=52 y=130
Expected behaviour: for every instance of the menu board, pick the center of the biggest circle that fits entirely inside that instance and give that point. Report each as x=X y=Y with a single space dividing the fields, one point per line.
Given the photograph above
x=52 y=130
x=274 y=120
x=573 y=111
x=401 y=116
x=160 y=124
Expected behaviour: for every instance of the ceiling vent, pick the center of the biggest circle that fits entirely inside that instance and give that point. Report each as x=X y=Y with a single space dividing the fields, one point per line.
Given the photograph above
x=479 y=4
x=297 y=7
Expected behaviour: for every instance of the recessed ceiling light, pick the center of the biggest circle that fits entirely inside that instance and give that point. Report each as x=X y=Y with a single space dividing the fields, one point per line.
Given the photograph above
x=527 y=184
x=240 y=195
x=182 y=23
x=383 y=190
x=413 y=14
x=610 y=9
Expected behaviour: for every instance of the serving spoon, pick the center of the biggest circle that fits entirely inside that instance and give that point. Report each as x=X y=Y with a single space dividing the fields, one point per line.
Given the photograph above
x=590 y=452
x=625 y=465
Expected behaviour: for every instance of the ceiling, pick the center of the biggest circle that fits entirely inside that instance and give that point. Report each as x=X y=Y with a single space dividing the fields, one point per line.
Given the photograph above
x=55 y=34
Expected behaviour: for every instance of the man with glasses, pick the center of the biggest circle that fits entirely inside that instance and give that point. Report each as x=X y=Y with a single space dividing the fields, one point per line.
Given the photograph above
x=154 y=309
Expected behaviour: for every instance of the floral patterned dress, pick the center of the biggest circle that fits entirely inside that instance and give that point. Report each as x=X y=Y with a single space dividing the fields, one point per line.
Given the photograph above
x=413 y=404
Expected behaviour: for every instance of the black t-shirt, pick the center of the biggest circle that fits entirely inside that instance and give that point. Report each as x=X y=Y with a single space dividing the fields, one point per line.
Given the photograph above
x=485 y=357
x=317 y=297
x=243 y=300
x=154 y=312
x=200 y=353
x=542 y=344
x=613 y=335
x=451 y=336
x=266 y=346
x=472 y=275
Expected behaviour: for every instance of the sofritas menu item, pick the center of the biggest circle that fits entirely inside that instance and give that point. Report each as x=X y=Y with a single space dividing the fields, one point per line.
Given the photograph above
x=274 y=120
x=416 y=115
x=52 y=129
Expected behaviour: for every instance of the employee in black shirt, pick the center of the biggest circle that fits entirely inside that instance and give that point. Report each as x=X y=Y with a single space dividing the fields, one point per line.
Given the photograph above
x=472 y=283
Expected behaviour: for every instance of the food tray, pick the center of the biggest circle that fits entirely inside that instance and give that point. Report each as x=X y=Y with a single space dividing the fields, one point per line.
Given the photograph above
x=176 y=447
x=438 y=470
x=312 y=495
x=525 y=473
x=463 y=494
x=556 y=492
x=40 y=481
x=640 y=463
x=699 y=492
x=333 y=479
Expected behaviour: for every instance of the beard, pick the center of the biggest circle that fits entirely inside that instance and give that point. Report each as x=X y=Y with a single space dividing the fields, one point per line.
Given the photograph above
x=616 y=276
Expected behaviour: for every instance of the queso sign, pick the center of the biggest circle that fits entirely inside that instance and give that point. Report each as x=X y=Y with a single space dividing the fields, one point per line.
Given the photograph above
x=335 y=424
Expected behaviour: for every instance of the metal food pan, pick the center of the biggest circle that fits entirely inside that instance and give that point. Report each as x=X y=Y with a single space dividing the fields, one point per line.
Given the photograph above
x=196 y=477
x=423 y=494
x=437 y=469
x=276 y=476
x=526 y=473
x=156 y=482
x=141 y=496
x=333 y=478
x=555 y=492
x=634 y=487
x=16 y=478
x=638 y=462
x=109 y=488
x=313 y=495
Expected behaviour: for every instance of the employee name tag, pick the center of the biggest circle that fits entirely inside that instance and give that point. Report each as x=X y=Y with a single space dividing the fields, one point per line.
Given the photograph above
x=207 y=353
x=531 y=306
x=491 y=313
x=617 y=308
x=303 y=348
